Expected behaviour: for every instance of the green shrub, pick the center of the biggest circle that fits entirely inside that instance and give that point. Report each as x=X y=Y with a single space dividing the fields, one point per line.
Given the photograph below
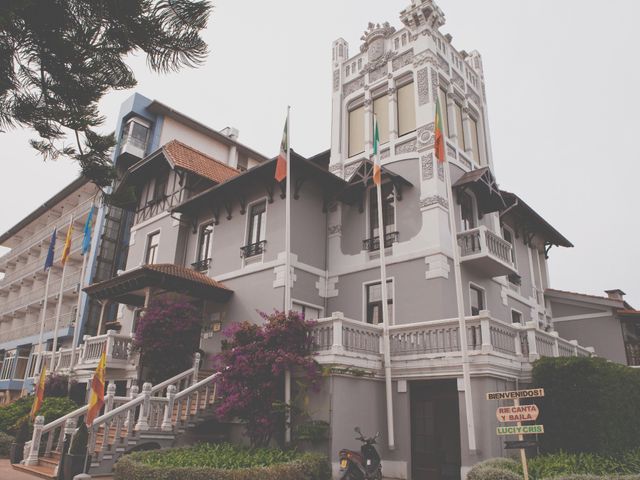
x=563 y=464
x=496 y=469
x=590 y=405
x=5 y=444
x=222 y=462
x=52 y=409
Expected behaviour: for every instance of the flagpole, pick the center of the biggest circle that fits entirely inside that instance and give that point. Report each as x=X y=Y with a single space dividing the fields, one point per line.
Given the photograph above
x=85 y=258
x=42 y=323
x=59 y=309
x=462 y=324
x=287 y=275
x=385 y=307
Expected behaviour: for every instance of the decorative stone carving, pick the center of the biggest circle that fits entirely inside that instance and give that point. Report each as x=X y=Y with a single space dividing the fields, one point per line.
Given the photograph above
x=425 y=57
x=423 y=86
x=443 y=64
x=451 y=151
x=367 y=103
x=406 y=147
x=426 y=136
x=402 y=61
x=474 y=97
x=336 y=80
x=434 y=200
x=441 y=171
x=426 y=162
x=335 y=229
x=465 y=161
x=392 y=91
x=336 y=169
x=350 y=169
x=457 y=79
x=382 y=61
x=385 y=154
x=378 y=73
x=353 y=86
x=435 y=84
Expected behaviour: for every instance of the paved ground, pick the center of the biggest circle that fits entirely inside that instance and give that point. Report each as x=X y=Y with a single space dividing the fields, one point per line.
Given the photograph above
x=8 y=473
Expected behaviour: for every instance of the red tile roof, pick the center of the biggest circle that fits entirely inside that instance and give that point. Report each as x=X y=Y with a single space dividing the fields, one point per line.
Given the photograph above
x=184 y=273
x=188 y=158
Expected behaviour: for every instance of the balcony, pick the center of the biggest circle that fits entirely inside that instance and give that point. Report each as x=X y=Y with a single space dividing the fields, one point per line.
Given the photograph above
x=253 y=249
x=434 y=348
x=158 y=205
x=373 y=244
x=32 y=329
x=201 y=266
x=485 y=252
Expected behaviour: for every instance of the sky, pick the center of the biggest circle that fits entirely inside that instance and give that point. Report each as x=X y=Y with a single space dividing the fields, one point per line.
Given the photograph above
x=563 y=84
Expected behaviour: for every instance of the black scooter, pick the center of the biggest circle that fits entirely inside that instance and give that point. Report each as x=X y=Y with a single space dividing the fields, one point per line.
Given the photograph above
x=364 y=465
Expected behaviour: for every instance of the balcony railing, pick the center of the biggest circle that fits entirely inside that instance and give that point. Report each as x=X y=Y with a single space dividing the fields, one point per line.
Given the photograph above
x=373 y=244
x=158 y=206
x=341 y=340
x=201 y=265
x=44 y=233
x=487 y=251
x=253 y=249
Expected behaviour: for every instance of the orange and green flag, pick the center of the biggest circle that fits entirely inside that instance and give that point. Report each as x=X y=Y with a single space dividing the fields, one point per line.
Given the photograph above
x=377 y=174
x=96 y=400
x=281 y=165
x=67 y=244
x=439 y=134
x=39 y=394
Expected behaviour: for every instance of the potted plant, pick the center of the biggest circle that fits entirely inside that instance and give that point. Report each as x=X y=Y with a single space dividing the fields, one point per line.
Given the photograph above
x=75 y=458
x=16 y=453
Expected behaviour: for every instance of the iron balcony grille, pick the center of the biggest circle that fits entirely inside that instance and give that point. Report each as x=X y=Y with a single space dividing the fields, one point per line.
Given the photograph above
x=201 y=265
x=253 y=249
x=373 y=244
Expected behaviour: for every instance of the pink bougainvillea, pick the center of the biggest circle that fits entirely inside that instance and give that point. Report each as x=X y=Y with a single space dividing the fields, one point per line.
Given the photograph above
x=253 y=363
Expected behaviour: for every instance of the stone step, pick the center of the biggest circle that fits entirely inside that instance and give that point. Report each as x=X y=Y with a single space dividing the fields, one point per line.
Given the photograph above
x=41 y=471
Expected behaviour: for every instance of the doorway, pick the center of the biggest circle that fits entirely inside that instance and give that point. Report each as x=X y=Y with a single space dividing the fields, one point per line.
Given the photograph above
x=435 y=430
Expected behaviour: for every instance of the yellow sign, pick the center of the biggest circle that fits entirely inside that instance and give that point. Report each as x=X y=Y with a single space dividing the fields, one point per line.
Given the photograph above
x=520 y=430
x=517 y=413
x=516 y=394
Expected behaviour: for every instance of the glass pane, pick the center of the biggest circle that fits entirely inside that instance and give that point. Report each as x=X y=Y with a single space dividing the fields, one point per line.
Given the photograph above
x=442 y=95
x=381 y=111
x=475 y=145
x=139 y=132
x=406 y=110
x=459 y=128
x=356 y=131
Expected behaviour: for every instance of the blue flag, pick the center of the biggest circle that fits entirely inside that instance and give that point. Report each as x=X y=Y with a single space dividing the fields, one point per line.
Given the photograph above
x=86 y=241
x=52 y=249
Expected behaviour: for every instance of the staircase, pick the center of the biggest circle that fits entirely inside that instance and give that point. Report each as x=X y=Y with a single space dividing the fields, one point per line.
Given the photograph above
x=150 y=419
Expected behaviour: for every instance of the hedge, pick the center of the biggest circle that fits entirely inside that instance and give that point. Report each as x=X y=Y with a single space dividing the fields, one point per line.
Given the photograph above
x=222 y=462
x=590 y=405
x=52 y=409
x=5 y=444
x=496 y=469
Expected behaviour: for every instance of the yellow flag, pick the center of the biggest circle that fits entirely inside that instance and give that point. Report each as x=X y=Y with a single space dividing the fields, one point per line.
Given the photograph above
x=67 y=244
x=96 y=400
x=37 y=402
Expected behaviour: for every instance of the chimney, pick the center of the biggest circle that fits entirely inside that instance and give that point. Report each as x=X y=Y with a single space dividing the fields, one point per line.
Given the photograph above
x=616 y=294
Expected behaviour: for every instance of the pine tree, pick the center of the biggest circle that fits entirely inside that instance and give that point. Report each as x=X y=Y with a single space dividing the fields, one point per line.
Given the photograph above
x=58 y=58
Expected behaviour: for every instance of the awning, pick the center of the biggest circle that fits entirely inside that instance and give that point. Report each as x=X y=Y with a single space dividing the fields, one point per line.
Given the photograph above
x=482 y=183
x=129 y=287
x=362 y=178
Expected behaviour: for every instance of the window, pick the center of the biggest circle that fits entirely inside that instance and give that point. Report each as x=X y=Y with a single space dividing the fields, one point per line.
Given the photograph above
x=388 y=210
x=257 y=218
x=468 y=219
x=204 y=245
x=475 y=140
x=160 y=189
x=139 y=134
x=477 y=300
x=356 y=131
x=457 y=110
x=374 y=303
x=309 y=313
x=153 y=240
x=381 y=111
x=444 y=108
x=516 y=317
x=406 y=110
x=508 y=236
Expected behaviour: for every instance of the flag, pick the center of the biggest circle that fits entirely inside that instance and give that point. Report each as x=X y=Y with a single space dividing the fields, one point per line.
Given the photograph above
x=439 y=145
x=377 y=174
x=67 y=244
x=281 y=166
x=96 y=400
x=39 y=394
x=48 y=263
x=88 y=226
